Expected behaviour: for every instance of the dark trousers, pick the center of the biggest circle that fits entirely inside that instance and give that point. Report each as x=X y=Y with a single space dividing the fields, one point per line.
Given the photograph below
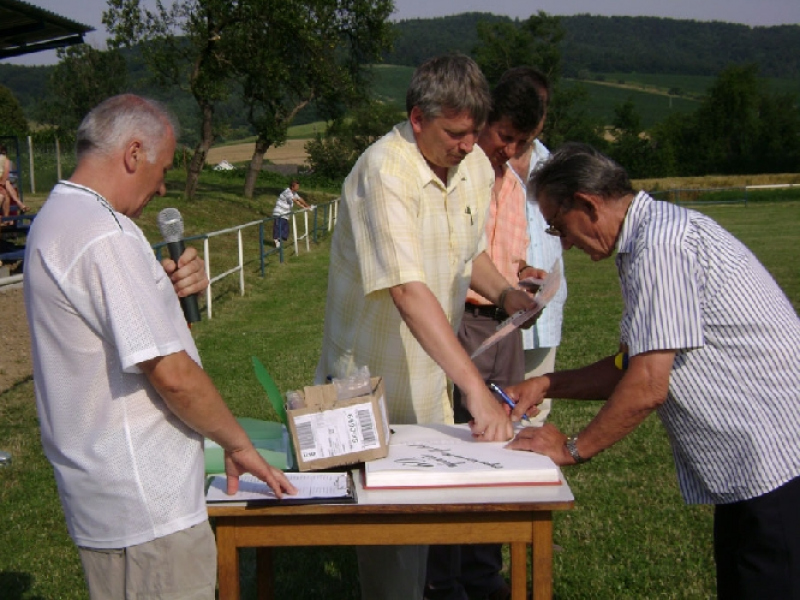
x=757 y=546
x=474 y=569
x=280 y=229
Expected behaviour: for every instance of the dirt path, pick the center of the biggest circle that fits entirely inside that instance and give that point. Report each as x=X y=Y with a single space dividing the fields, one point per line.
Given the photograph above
x=15 y=360
x=291 y=153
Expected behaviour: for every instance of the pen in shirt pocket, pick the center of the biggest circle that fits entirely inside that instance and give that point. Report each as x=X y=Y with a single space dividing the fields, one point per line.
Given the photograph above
x=469 y=212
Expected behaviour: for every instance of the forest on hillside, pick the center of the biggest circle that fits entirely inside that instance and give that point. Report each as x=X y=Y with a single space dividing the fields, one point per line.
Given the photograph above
x=592 y=44
x=662 y=96
x=621 y=44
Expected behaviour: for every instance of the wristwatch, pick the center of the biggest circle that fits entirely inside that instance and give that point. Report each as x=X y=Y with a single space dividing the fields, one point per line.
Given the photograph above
x=572 y=448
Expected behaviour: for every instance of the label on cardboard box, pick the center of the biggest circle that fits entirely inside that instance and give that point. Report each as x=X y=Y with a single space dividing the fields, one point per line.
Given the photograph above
x=336 y=432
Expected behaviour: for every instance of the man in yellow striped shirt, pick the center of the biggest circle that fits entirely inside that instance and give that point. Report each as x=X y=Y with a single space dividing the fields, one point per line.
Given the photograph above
x=408 y=244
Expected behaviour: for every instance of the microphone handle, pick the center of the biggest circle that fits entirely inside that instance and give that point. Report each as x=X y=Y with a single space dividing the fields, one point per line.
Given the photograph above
x=188 y=303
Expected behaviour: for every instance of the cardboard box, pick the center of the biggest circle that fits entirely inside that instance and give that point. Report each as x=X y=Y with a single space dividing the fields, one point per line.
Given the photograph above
x=328 y=432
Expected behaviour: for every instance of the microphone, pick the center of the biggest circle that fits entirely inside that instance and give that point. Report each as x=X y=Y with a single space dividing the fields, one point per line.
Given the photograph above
x=170 y=223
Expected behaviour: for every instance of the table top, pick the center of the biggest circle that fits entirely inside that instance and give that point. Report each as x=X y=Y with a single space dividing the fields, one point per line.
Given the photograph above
x=420 y=500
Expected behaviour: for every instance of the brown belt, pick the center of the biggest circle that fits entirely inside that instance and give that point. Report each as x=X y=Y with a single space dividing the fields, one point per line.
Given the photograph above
x=489 y=310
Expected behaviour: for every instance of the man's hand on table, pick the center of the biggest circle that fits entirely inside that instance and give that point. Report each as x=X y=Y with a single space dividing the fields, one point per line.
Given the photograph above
x=490 y=422
x=547 y=440
x=248 y=460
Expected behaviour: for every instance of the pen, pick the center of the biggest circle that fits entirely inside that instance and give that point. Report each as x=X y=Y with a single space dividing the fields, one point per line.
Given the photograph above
x=506 y=398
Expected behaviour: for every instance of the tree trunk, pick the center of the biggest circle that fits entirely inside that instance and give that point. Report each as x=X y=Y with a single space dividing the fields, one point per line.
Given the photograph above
x=254 y=168
x=200 y=151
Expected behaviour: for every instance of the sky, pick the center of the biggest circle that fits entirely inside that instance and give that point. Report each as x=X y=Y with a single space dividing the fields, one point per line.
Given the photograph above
x=749 y=12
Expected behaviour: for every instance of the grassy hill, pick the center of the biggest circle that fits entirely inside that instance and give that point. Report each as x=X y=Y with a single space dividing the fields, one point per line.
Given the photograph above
x=649 y=93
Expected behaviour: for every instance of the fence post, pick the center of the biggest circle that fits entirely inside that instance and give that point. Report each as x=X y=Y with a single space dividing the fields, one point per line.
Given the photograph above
x=305 y=222
x=207 y=259
x=30 y=160
x=58 y=160
x=241 y=264
x=261 y=245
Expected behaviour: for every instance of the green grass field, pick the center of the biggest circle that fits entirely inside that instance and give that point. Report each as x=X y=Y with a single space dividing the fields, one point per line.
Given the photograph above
x=691 y=84
x=648 y=92
x=651 y=107
x=629 y=537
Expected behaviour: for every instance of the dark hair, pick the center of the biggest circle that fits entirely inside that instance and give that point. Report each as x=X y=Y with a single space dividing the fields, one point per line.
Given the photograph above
x=535 y=76
x=452 y=82
x=579 y=168
x=518 y=99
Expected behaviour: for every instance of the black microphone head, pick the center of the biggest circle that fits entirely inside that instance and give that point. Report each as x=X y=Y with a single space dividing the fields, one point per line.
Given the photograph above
x=170 y=223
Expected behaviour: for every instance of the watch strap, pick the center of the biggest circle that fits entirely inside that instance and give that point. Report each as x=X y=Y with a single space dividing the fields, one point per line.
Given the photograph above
x=572 y=448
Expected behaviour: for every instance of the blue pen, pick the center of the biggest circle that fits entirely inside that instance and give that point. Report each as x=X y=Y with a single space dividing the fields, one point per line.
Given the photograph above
x=506 y=398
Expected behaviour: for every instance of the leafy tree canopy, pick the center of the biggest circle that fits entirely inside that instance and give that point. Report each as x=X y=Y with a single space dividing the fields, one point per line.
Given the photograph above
x=12 y=119
x=83 y=78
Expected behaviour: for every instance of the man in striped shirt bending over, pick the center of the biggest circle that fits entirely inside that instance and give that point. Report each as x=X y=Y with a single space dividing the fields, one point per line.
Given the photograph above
x=719 y=366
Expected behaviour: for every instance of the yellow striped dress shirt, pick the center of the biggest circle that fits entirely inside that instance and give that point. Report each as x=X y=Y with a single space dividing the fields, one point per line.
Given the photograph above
x=399 y=223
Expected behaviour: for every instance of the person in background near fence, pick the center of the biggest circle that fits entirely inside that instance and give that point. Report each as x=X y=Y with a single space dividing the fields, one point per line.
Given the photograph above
x=408 y=243
x=462 y=571
x=8 y=192
x=710 y=341
x=122 y=399
x=283 y=207
x=540 y=341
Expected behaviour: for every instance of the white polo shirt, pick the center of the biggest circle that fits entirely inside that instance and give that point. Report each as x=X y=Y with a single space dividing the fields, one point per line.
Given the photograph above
x=98 y=303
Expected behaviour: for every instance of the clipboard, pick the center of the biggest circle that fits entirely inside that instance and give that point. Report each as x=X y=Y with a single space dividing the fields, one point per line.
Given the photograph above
x=545 y=294
x=329 y=487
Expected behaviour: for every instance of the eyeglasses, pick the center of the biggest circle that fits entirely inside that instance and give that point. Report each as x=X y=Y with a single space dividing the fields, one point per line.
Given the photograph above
x=552 y=229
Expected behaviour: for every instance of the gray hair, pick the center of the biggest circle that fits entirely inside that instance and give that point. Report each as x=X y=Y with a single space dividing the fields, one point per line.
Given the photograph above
x=450 y=83
x=115 y=122
x=579 y=168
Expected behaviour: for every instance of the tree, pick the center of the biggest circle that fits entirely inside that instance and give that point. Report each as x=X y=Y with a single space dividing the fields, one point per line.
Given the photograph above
x=568 y=119
x=535 y=42
x=777 y=148
x=505 y=44
x=298 y=53
x=184 y=44
x=727 y=122
x=739 y=128
x=83 y=78
x=12 y=119
x=630 y=147
x=334 y=154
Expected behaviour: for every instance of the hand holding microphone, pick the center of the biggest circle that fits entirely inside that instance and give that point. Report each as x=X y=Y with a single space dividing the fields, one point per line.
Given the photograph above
x=170 y=223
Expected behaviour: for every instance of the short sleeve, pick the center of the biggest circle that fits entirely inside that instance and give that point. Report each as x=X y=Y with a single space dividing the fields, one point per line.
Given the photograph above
x=121 y=290
x=386 y=232
x=663 y=305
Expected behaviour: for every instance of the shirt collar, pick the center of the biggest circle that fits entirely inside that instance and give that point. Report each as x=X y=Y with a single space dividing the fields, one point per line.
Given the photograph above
x=454 y=174
x=636 y=211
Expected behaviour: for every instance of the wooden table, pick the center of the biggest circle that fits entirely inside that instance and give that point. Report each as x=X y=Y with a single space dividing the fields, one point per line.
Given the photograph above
x=521 y=516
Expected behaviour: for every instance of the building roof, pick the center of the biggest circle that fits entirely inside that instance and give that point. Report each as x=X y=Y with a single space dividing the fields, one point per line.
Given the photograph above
x=25 y=28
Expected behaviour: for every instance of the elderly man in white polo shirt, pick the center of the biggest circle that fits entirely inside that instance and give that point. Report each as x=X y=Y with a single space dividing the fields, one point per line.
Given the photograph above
x=123 y=401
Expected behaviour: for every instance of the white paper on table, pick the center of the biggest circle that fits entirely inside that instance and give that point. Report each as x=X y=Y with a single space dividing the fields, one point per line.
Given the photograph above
x=546 y=293
x=309 y=486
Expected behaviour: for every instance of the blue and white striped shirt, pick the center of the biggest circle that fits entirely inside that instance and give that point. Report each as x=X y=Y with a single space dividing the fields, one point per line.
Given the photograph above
x=733 y=408
x=544 y=251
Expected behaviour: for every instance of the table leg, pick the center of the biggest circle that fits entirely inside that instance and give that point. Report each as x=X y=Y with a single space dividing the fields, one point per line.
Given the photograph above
x=542 y=555
x=227 y=559
x=264 y=574
x=519 y=570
